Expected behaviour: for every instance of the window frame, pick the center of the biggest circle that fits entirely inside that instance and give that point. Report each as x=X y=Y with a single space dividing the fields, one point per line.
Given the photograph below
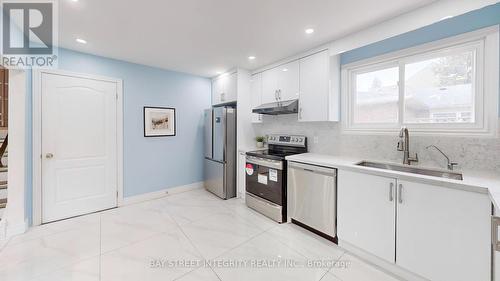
x=483 y=42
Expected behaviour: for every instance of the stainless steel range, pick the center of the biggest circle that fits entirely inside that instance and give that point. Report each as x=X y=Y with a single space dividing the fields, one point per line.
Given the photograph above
x=266 y=175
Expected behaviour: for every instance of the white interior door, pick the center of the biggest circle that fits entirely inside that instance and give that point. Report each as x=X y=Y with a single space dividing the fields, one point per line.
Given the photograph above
x=79 y=146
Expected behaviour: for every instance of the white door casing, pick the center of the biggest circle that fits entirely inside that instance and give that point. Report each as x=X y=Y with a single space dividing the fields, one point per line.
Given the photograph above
x=79 y=142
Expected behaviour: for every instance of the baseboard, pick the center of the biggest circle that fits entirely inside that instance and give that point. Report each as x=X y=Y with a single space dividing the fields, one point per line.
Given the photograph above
x=3 y=231
x=379 y=263
x=15 y=229
x=7 y=230
x=161 y=193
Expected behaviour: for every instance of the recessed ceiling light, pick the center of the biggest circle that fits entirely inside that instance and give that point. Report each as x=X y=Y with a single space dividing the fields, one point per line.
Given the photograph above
x=445 y=18
x=285 y=69
x=74 y=0
x=218 y=72
x=309 y=31
x=81 y=41
x=251 y=57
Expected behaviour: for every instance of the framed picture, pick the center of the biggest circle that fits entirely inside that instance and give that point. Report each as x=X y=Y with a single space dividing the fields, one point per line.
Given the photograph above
x=159 y=121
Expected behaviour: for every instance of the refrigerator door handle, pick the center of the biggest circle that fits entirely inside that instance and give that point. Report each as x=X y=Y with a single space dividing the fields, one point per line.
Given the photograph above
x=218 y=161
x=225 y=137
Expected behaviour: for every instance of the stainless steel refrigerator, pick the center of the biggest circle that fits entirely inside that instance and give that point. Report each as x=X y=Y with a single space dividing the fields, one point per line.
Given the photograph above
x=220 y=151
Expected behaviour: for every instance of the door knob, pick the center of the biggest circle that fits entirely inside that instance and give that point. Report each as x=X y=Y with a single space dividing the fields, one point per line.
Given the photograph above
x=49 y=155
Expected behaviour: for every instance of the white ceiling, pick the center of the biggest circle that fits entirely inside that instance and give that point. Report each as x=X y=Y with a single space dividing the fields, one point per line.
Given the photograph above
x=205 y=36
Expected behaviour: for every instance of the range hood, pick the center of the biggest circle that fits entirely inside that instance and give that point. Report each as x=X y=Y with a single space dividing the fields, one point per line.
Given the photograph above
x=277 y=108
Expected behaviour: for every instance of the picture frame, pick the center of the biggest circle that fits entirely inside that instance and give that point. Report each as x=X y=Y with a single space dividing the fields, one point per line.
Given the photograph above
x=159 y=121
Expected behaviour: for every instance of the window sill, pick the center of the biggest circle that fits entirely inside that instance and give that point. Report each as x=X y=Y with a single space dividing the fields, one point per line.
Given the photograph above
x=421 y=132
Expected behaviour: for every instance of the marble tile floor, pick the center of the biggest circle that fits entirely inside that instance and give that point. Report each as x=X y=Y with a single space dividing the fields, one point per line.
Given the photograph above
x=187 y=236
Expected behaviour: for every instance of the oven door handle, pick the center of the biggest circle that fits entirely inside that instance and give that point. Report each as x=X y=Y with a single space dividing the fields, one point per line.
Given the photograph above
x=274 y=164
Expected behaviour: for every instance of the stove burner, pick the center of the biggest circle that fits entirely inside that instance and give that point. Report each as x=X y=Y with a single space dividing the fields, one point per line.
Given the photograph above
x=272 y=154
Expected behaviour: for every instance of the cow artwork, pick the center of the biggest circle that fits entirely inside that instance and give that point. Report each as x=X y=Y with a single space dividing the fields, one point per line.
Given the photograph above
x=159 y=121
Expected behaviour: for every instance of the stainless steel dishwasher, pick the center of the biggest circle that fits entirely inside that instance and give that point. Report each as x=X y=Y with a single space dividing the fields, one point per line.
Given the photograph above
x=312 y=193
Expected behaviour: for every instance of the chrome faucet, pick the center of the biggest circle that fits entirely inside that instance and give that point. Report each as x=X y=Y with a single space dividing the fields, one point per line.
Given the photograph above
x=404 y=145
x=449 y=164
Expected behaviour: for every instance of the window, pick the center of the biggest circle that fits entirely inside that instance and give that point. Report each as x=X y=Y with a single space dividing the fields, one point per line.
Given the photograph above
x=436 y=88
x=377 y=96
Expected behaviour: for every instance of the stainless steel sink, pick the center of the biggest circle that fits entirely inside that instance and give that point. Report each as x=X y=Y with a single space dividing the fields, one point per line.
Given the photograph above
x=413 y=170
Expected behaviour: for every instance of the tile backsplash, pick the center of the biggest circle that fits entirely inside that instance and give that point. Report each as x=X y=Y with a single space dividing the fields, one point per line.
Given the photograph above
x=471 y=153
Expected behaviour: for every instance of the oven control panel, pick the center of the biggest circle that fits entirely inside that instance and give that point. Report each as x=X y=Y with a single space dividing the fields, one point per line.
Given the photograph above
x=292 y=140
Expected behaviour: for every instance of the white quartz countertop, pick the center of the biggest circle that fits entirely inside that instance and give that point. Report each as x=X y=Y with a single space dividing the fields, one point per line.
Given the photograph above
x=487 y=182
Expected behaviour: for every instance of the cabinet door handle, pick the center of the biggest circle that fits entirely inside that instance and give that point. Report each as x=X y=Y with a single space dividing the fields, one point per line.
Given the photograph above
x=400 y=194
x=279 y=94
x=300 y=113
x=276 y=94
x=391 y=191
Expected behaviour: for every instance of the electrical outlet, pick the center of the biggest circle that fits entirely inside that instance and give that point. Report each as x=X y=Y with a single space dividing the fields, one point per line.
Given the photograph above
x=316 y=139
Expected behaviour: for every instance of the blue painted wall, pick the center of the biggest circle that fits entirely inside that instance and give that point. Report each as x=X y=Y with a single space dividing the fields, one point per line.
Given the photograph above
x=150 y=164
x=471 y=21
x=477 y=19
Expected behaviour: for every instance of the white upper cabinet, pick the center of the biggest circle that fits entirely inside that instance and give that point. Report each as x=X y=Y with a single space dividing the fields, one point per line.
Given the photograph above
x=288 y=81
x=315 y=91
x=230 y=88
x=281 y=83
x=216 y=91
x=256 y=96
x=314 y=80
x=224 y=89
x=270 y=86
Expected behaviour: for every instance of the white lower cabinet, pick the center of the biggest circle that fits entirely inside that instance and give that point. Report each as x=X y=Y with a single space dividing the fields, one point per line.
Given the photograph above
x=366 y=214
x=435 y=232
x=496 y=254
x=443 y=233
x=241 y=175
